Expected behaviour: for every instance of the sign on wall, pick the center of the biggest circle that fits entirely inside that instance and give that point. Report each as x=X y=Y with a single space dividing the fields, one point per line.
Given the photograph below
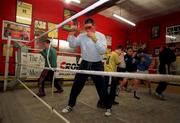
x=18 y=32
x=37 y=60
x=173 y=34
x=5 y=50
x=67 y=14
x=39 y=28
x=67 y=62
x=31 y=59
x=109 y=40
x=23 y=12
x=53 y=34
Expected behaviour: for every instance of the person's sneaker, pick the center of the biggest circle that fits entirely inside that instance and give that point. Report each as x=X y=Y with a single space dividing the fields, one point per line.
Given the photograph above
x=59 y=91
x=160 y=96
x=115 y=103
x=108 y=113
x=41 y=94
x=67 y=109
x=136 y=97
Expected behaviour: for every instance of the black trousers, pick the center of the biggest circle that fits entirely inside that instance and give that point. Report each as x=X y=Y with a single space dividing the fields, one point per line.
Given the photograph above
x=80 y=80
x=121 y=70
x=113 y=87
x=47 y=75
x=162 y=85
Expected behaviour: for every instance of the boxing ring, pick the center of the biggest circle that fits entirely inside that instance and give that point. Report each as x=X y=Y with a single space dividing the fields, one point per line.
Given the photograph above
x=151 y=77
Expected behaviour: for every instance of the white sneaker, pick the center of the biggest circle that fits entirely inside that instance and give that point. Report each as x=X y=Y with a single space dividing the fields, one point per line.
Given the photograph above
x=160 y=96
x=108 y=113
x=67 y=109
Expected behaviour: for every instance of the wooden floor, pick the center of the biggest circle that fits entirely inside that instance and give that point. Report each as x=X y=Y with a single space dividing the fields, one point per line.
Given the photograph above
x=19 y=106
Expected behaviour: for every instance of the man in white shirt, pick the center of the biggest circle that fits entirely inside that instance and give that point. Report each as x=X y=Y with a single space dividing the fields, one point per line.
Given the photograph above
x=93 y=45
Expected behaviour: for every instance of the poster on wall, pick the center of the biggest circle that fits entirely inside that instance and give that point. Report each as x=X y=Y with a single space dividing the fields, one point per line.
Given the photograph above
x=18 y=32
x=155 y=31
x=53 y=34
x=156 y=51
x=109 y=40
x=23 y=12
x=37 y=60
x=173 y=34
x=67 y=14
x=32 y=59
x=5 y=50
x=39 y=28
x=68 y=63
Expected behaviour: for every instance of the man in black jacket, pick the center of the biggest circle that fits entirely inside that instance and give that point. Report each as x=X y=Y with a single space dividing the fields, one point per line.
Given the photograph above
x=166 y=57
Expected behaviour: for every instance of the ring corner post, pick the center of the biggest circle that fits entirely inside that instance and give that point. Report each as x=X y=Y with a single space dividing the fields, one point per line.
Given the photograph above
x=7 y=63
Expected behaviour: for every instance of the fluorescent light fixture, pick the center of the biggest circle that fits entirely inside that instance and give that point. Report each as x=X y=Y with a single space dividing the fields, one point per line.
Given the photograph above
x=123 y=19
x=171 y=37
x=76 y=1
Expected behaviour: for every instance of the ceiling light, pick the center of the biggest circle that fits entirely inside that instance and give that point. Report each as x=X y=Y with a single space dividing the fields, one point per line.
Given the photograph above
x=123 y=19
x=76 y=1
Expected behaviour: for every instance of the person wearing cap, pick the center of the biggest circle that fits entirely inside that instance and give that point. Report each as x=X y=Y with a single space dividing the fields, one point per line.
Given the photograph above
x=93 y=45
x=48 y=74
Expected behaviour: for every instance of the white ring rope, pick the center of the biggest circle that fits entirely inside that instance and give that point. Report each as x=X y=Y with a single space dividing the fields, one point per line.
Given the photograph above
x=46 y=104
x=77 y=54
x=48 y=57
x=152 y=77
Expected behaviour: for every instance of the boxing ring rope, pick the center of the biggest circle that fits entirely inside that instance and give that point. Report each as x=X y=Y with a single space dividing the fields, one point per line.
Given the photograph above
x=77 y=54
x=141 y=76
x=42 y=101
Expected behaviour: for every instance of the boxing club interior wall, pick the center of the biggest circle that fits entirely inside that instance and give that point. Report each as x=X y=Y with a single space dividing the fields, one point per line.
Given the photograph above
x=52 y=11
x=142 y=32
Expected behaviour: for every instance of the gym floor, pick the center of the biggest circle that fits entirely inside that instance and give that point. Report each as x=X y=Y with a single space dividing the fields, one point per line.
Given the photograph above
x=19 y=106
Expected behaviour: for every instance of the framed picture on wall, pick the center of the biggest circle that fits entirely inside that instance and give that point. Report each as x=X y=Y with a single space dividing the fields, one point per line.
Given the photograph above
x=23 y=12
x=18 y=32
x=109 y=40
x=39 y=27
x=53 y=34
x=67 y=14
x=156 y=51
x=5 y=50
x=155 y=31
x=173 y=34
